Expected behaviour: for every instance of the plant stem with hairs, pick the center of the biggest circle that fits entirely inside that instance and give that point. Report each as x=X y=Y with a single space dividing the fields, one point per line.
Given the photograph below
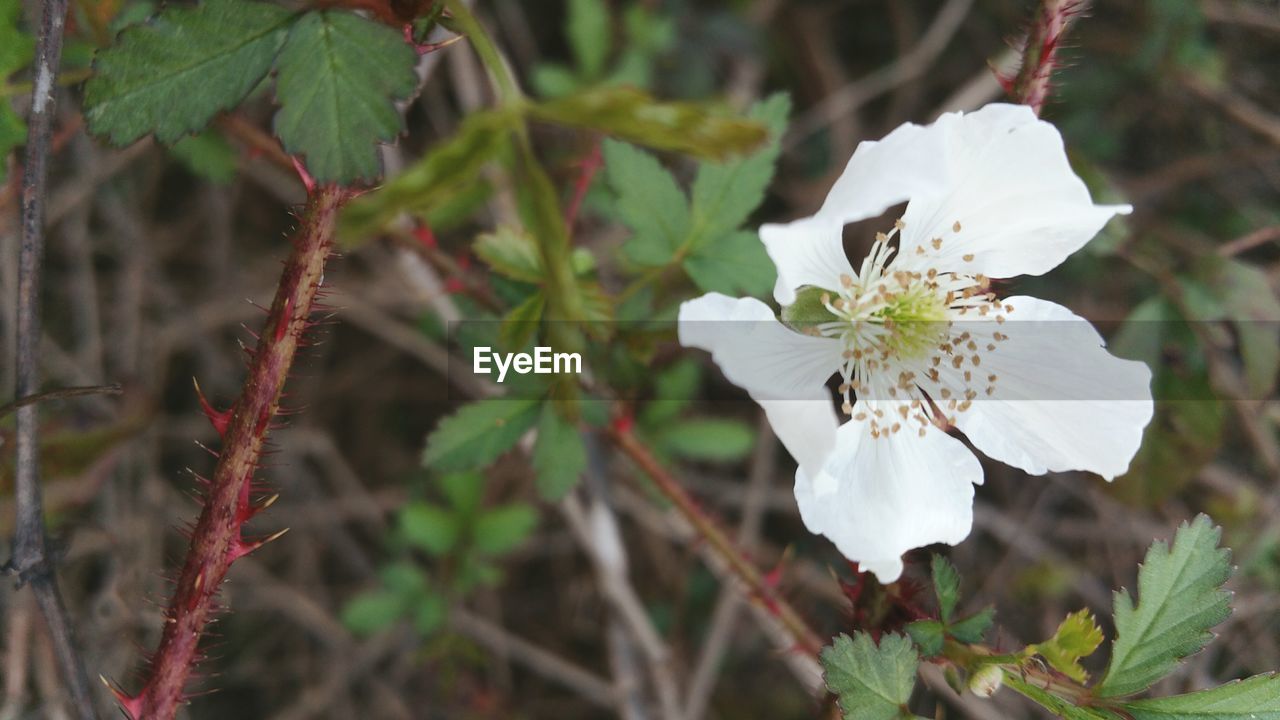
x=1032 y=84
x=218 y=539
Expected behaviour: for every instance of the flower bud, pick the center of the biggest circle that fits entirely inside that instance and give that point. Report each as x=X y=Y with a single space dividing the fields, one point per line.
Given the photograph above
x=985 y=682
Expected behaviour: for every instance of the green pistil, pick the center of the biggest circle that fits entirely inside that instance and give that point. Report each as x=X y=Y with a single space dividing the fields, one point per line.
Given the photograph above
x=916 y=320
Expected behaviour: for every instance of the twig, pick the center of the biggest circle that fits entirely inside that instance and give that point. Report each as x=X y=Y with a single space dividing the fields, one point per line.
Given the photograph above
x=1241 y=109
x=1246 y=242
x=62 y=394
x=1032 y=84
x=217 y=539
x=805 y=638
x=30 y=555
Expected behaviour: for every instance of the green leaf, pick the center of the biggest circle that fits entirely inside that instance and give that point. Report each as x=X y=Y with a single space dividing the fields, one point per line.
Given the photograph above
x=642 y=186
x=946 y=586
x=503 y=528
x=725 y=194
x=735 y=264
x=973 y=628
x=170 y=76
x=710 y=439
x=404 y=578
x=17 y=48
x=1055 y=704
x=1254 y=309
x=929 y=635
x=478 y=433
x=559 y=456
x=13 y=132
x=588 y=31
x=808 y=310
x=1077 y=637
x=1257 y=698
x=521 y=324
x=448 y=172
x=630 y=114
x=873 y=683
x=673 y=388
x=429 y=527
x=552 y=81
x=463 y=490
x=209 y=155
x=338 y=76
x=512 y=252
x=369 y=612
x=1180 y=597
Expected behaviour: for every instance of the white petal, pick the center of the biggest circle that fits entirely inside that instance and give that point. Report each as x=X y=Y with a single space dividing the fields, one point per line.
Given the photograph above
x=1020 y=207
x=877 y=498
x=909 y=162
x=783 y=370
x=809 y=251
x=1060 y=400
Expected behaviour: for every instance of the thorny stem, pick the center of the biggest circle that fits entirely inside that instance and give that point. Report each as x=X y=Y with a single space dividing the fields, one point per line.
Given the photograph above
x=805 y=638
x=216 y=541
x=1032 y=84
x=30 y=560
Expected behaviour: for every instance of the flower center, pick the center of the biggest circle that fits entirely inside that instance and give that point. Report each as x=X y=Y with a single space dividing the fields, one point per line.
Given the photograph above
x=898 y=327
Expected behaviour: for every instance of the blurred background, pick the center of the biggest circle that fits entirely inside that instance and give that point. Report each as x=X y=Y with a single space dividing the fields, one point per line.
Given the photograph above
x=157 y=256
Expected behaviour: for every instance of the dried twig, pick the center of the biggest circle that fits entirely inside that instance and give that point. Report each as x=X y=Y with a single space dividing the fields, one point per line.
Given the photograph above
x=30 y=560
x=60 y=394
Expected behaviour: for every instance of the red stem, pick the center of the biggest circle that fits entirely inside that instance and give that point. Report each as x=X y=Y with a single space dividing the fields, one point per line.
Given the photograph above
x=1032 y=84
x=217 y=541
x=590 y=165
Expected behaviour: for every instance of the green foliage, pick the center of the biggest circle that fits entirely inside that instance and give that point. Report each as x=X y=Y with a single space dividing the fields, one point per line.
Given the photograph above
x=873 y=682
x=478 y=433
x=171 y=75
x=1257 y=698
x=502 y=529
x=588 y=28
x=1077 y=637
x=1180 y=597
x=701 y=234
x=946 y=586
x=1250 y=304
x=559 y=456
x=709 y=439
x=429 y=527
x=16 y=51
x=209 y=155
x=588 y=31
x=404 y=592
x=931 y=635
x=635 y=116
x=512 y=252
x=338 y=75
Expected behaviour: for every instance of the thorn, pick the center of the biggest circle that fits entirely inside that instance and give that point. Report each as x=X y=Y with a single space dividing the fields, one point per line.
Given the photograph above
x=283 y=326
x=308 y=182
x=240 y=548
x=132 y=706
x=220 y=419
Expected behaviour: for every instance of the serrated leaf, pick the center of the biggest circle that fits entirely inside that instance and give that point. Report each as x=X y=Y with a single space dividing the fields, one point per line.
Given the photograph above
x=630 y=114
x=503 y=528
x=973 y=628
x=171 y=75
x=429 y=527
x=735 y=264
x=588 y=31
x=450 y=170
x=1257 y=698
x=338 y=78
x=478 y=433
x=512 y=252
x=559 y=456
x=208 y=155
x=946 y=586
x=642 y=186
x=1180 y=596
x=873 y=682
x=709 y=439
x=929 y=635
x=725 y=193
x=1078 y=636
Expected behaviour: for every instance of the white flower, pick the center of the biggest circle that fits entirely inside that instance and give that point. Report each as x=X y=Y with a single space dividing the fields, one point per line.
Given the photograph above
x=919 y=340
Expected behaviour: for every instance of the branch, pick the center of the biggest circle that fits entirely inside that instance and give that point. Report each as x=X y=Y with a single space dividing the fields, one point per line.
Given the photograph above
x=805 y=638
x=218 y=540
x=60 y=394
x=30 y=560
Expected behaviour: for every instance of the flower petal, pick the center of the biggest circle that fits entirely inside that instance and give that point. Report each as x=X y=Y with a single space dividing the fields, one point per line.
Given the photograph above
x=1019 y=207
x=783 y=370
x=877 y=498
x=909 y=161
x=1060 y=400
x=809 y=251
